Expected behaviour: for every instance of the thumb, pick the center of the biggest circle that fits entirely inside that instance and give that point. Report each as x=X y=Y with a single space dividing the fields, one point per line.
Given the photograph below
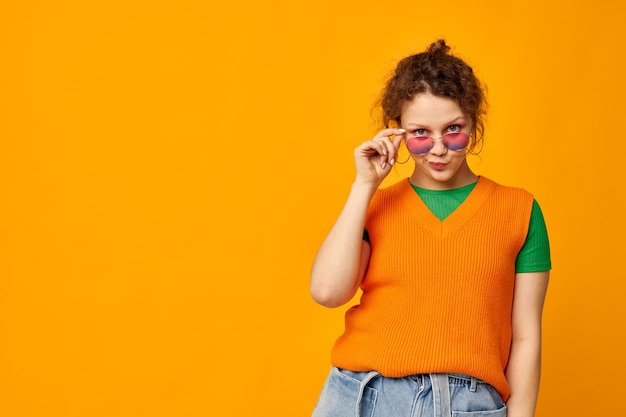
x=398 y=137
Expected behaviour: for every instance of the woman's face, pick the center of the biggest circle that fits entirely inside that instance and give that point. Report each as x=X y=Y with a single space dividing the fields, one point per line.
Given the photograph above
x=439 y=168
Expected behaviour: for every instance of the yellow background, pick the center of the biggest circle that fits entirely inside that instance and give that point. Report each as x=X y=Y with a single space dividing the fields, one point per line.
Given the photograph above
x=169 y=168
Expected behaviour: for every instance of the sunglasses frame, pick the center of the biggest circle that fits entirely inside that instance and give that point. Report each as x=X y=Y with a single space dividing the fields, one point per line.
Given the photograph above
x=441 y=138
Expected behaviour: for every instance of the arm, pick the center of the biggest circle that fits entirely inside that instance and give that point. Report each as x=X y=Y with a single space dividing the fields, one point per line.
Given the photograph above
x=342 y=259
x=524 y=368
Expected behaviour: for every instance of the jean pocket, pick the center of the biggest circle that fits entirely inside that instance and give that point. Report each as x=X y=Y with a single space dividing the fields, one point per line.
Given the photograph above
x=494 y=413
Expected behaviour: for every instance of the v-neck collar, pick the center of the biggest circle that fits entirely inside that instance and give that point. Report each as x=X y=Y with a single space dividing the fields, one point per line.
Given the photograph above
x=416 y=207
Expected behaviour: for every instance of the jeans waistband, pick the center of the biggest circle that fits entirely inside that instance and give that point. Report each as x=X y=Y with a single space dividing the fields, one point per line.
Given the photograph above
x=440 y=385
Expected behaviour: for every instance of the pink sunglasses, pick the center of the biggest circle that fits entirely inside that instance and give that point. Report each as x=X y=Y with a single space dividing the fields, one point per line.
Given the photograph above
x=455 y=141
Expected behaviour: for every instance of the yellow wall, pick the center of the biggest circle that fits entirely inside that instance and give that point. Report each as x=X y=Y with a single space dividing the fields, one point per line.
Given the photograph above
x=169 y=168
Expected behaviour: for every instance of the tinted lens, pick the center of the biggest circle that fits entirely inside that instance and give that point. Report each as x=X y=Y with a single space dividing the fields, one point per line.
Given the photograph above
x=419 y=144
x=456 y=141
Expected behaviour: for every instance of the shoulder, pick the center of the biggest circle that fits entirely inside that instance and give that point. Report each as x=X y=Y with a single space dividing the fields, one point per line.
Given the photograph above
x=509 y=192
x=390 y=198
x=393 y=191
x=508 y=202
x=396 y=187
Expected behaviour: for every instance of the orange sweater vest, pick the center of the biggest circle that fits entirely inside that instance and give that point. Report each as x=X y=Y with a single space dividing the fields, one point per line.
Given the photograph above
x=438 y=295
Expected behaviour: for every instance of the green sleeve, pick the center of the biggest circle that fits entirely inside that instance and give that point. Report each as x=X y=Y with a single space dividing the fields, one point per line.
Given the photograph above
x=535 y=254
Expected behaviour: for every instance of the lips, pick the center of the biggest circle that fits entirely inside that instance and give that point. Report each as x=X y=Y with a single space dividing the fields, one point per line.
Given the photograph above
x=439 y=166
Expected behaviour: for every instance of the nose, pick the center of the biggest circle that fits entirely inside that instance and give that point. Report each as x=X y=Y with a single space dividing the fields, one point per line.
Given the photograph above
x=438 y=147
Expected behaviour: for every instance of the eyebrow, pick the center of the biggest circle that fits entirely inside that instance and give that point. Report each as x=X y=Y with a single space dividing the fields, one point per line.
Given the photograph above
x=455 y=120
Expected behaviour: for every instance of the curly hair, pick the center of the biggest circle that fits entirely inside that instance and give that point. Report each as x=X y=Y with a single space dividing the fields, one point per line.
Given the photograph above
x=437 y=72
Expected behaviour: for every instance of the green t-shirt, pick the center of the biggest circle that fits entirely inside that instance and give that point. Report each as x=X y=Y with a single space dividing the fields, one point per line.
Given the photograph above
x=535 y=253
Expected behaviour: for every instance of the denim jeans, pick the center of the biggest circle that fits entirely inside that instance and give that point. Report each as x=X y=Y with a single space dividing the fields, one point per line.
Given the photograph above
x=369 y=394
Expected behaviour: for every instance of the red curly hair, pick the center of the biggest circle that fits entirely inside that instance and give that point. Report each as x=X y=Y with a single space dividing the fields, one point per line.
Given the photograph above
x=437 y=72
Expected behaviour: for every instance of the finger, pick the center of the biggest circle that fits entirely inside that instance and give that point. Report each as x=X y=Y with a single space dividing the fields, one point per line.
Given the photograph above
x=388 y=151
x=389 y=132
x=374 y=147
x=393 y=138
x=391 y=146
x=384 y=149
x=397 y=139
x=373 y=151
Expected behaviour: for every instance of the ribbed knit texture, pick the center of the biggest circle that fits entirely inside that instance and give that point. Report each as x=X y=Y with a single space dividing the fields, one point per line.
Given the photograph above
x=437 y=295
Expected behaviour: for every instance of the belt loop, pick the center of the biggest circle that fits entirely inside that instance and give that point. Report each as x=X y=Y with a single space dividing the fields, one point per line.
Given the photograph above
x=370 y=375
x=473 y=384
x=441 y=395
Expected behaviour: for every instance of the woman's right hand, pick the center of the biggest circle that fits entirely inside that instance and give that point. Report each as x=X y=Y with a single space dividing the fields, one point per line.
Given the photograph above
x=375 y=157
x=342 y=259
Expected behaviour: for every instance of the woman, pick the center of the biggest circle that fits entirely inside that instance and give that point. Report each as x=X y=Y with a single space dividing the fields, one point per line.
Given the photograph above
x=453 y=266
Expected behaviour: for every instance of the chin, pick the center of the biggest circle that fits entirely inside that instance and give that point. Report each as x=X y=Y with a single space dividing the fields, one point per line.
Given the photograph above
x=441 y=176
x=438 y=179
